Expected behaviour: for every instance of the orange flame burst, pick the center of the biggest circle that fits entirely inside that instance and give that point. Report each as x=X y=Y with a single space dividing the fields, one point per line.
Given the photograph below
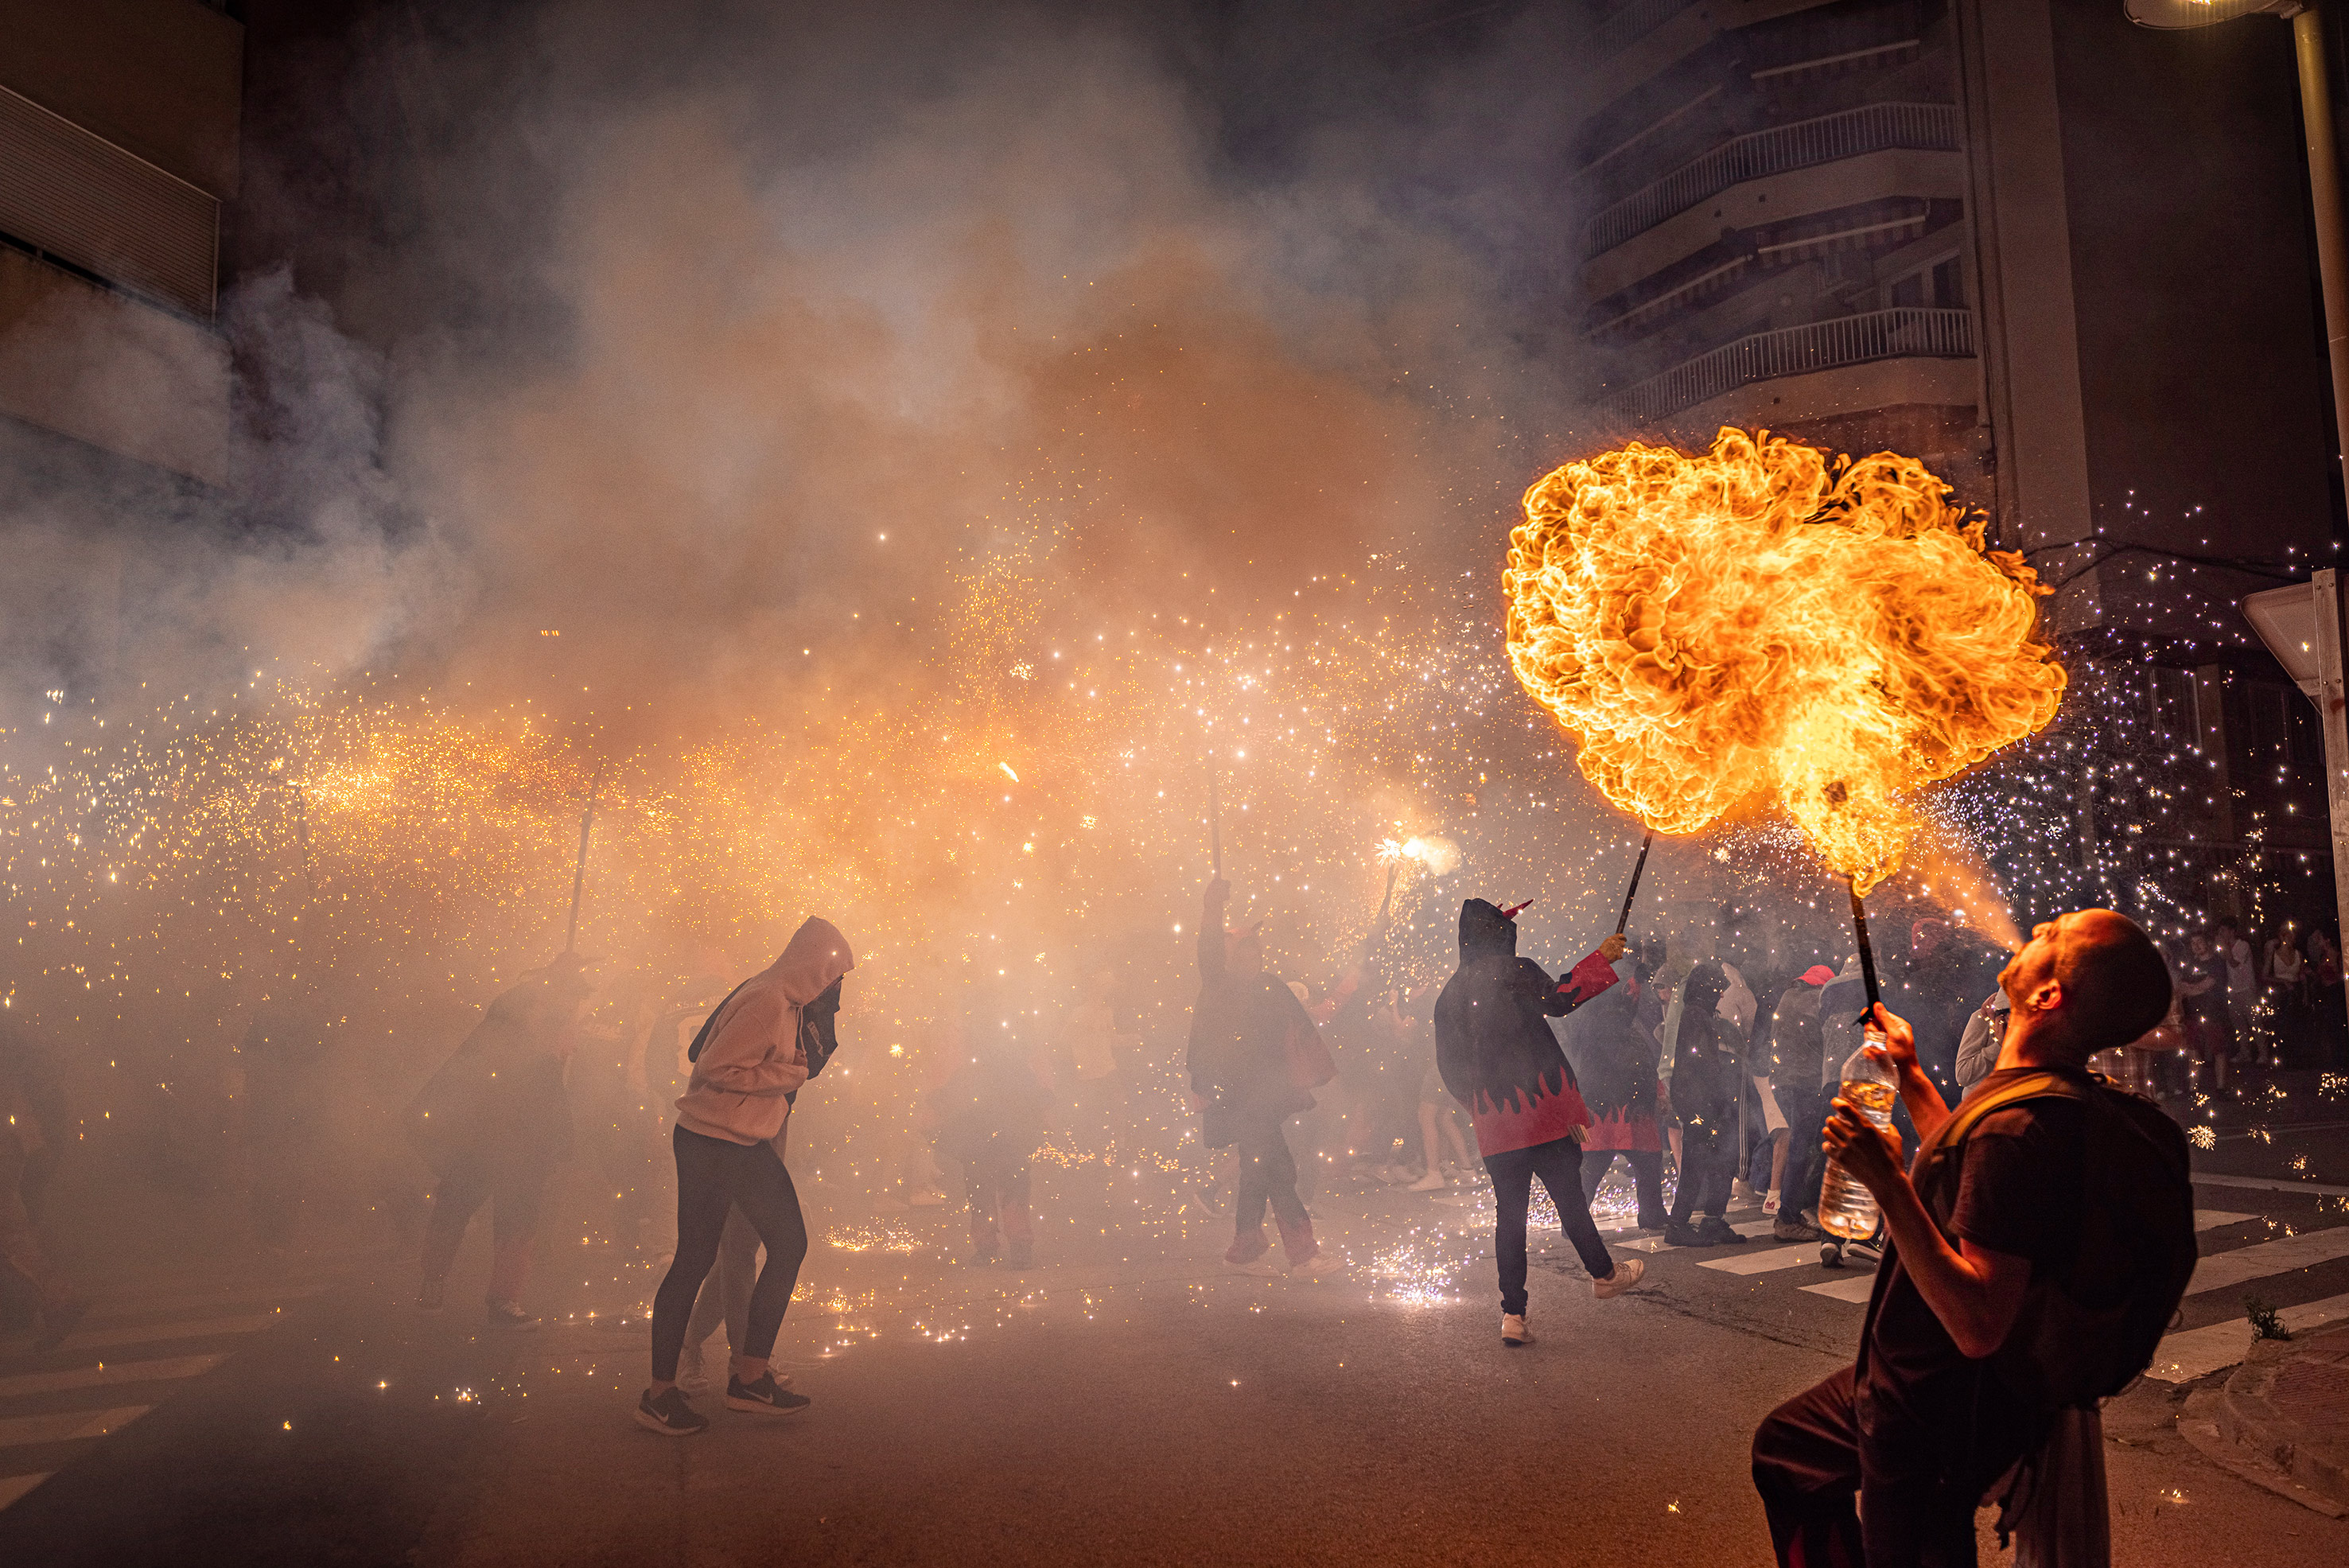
x=1753 y=622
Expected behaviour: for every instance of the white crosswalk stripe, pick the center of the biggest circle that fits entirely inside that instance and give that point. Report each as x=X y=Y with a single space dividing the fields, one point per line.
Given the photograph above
x=2222 y=1270
x=51 y=1428
x=2194 y=1352
x=1858 y=1289
x=107 y=1377
x=66 y=1425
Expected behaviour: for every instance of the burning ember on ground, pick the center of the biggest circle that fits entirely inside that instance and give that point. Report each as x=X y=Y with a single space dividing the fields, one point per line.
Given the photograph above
x=1761 y=622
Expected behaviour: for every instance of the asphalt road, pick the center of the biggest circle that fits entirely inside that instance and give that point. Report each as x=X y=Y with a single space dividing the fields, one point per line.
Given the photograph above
x=1129 y=1401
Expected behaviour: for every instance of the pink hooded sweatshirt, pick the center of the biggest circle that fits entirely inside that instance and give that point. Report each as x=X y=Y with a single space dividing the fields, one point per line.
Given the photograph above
x=753 y=1058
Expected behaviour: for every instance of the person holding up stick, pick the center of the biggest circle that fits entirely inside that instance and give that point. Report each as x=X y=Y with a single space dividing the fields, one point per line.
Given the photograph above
x=1498 y=1057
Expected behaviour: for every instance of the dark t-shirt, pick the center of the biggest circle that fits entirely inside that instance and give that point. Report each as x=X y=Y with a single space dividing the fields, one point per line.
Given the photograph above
x=2019 y=1192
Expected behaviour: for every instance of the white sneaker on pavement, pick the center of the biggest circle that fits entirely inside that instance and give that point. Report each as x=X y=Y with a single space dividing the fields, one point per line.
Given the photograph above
x=1321 y=1265
x=1433 y=1182
x=1627 y=1274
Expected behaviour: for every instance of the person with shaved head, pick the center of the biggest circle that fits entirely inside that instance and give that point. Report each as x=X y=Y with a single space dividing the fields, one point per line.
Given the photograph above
x=2000 y=1199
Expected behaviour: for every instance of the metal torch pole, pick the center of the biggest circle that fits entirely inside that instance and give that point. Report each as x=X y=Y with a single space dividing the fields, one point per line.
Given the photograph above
x=2324 y=196
x=1215 y=824
x=579 y=873
x=1866 y=954
x=1637 y=866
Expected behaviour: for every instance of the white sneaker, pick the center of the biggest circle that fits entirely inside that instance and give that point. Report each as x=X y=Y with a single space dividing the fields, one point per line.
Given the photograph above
x=1433 y=1182
x=1627 y=1274
x=1770 y=1204
x=692 y=1372
x=1513 y=1332
x=1321 y=1265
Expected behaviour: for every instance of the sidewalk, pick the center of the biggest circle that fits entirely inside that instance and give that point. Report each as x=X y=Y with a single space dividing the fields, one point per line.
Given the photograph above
x=2281 y=1419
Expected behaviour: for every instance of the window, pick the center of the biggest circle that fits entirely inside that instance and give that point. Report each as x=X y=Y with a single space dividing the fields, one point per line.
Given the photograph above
x=1940 y=285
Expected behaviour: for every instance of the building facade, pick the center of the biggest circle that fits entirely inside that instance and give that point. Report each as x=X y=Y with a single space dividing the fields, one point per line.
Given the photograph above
x=2068 y=263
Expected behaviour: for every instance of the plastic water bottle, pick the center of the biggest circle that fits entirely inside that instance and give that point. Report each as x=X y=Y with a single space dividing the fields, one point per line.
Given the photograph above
x=1847 y=1208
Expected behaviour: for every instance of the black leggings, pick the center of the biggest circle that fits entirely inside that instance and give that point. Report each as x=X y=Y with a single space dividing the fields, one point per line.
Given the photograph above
x=1706 y=1164
x=713 y=1176
x=1559 y=1165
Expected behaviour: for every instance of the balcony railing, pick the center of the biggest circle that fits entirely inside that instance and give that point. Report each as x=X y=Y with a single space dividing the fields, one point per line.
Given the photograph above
x=1907 y=332
x=1632 y=24
x=1872 y=128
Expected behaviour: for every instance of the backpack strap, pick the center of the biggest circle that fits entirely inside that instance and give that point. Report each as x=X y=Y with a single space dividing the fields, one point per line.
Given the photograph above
x=701 y=1035
x=1948 y=1145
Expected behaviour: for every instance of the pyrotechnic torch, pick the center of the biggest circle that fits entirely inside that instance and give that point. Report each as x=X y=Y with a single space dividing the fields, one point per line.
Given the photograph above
x=1646 y=844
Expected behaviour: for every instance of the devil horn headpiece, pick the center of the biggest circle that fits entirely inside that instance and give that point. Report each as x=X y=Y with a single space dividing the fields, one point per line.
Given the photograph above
x=1512 y=911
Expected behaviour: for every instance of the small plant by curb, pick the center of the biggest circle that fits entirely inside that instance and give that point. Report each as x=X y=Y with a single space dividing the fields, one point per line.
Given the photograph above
x=2266 y=1322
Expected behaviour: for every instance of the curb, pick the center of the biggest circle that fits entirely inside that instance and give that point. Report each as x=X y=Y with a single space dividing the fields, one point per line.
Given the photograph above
x=2250 y=1425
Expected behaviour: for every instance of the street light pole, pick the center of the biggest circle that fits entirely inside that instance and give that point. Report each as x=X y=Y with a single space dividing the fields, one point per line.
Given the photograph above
x=2324 y=194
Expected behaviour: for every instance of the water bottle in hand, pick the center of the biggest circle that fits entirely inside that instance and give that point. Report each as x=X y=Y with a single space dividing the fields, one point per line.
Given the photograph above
x=1847 y=1208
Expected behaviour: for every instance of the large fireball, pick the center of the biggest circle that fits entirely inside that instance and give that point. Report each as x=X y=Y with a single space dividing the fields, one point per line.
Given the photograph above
x=1752 y=623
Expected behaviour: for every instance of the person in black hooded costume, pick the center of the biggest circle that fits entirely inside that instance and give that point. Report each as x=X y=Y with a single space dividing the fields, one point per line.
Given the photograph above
x=1498 y=1057
x=1245 y=1084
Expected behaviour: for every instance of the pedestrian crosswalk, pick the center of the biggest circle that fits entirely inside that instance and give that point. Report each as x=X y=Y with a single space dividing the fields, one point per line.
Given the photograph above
x=2282 y=1263
x=96 y=1391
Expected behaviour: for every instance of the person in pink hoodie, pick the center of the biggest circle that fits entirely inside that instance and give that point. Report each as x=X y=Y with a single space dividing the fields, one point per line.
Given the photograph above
x=749 y=1057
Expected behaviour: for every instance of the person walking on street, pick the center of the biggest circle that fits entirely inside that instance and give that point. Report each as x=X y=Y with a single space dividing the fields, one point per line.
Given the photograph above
x=1610 y=1043
x=725 y=1295
x=732 y=1109
x=1245 y=1031
x=990 y=1119
x=1797 y=1077
x=33 y=1124
x=492 y=1124
x=1499 y=1058
x=2048 y=1180
x=1706 y=1076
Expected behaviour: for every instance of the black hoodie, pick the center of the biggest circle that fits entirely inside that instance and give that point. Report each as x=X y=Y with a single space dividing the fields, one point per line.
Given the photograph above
x=1492 y=1041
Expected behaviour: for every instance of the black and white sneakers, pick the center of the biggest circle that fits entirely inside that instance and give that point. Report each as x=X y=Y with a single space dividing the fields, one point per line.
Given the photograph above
x=670 y=1415
x=764 y=1395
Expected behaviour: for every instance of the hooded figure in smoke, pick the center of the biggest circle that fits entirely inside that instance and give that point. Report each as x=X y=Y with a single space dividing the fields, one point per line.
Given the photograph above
x=494 y=1123
x=1498 y=1057
x=1252 y=1050
x=748 y=1060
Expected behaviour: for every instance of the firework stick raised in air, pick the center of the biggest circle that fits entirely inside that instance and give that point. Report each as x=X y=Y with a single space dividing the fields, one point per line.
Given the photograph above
x=579 y=873
x=1637 y=866
x=1215 y=824
x=1866 y=954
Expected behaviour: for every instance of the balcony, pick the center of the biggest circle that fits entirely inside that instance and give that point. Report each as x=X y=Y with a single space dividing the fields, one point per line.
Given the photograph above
x=1873 y=127
x=1632 y=22
x=1903 y=334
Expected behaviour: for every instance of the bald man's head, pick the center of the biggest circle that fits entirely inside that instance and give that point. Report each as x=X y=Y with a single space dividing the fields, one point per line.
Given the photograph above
x=2097 y=976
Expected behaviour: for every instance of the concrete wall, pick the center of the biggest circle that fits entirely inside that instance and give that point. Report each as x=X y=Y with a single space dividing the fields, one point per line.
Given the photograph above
x=103 y=369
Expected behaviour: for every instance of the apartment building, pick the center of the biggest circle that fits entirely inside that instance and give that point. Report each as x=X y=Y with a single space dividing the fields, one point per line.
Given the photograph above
x=2064 y=260
x=119 y=146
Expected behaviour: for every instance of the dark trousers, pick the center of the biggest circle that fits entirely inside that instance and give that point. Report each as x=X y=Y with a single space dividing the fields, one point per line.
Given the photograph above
x=1917 y=1489
x=1707 y=1162
x=1558 y=1163
x=1268 y=1175
x=714 y=1175
x=1647 y=1176
x=512 y=1188
x=1806 y=1160
x=999 y=1207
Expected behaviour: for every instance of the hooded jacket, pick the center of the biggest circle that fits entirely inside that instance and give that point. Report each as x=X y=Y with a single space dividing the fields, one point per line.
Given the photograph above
x=1613 y=1058
x=1493 y=1041
x=753 y=1057
x=1241 y=1030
